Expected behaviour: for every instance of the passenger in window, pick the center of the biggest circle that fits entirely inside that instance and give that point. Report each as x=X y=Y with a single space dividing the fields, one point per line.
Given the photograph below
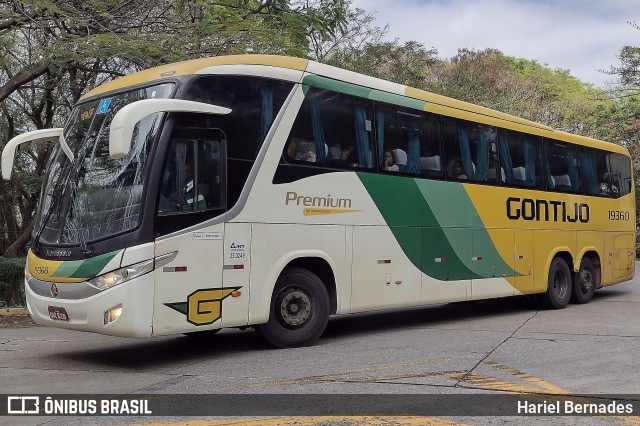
x=305 y=151
x=348 y=157
x=388 y=162
x=334 y=152
x=455 y=170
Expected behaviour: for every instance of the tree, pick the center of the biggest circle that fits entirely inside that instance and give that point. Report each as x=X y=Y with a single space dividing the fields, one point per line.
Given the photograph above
x=53 y=51
x=406 y=63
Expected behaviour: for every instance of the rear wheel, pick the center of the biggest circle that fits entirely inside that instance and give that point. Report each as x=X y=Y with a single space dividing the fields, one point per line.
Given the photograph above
x=585 y=282
x=299 y=310
x=559 y=285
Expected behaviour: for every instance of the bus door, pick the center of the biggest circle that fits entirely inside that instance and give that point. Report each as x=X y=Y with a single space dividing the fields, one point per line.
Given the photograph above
x=189 y=290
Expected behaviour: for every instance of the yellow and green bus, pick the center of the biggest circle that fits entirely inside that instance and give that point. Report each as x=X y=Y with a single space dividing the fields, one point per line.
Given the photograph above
x=272 y=192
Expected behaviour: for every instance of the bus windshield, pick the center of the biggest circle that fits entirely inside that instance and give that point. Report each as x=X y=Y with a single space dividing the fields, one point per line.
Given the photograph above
x=95 y=196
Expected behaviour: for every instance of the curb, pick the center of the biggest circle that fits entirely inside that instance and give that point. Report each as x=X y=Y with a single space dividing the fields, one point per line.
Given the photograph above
x=13 y=311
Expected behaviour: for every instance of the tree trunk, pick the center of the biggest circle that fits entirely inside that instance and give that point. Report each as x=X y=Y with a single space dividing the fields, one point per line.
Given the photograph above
x=23 y=77
x=16 y=248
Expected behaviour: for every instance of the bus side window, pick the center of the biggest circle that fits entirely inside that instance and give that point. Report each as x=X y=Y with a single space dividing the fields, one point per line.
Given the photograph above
x=520 y=159
x=594 y=171
x=430 y=147
x=562 y=165
x=332 y=130
x=620 y=175
x=470 y=151
x=193 y=177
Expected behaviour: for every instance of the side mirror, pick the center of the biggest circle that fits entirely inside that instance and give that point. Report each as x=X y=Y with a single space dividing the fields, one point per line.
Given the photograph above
x=125 y=120
x=22 y=142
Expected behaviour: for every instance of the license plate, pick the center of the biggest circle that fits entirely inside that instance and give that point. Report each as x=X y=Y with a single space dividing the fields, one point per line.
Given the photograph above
x=58 y=314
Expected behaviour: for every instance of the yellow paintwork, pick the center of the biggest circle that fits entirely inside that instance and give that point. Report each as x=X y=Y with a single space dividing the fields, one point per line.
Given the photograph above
x=192 y=67
x=44 y=270
x=539 y=241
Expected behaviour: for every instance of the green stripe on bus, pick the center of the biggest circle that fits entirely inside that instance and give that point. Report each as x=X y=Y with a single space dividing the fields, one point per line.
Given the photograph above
x=89 y=268
x=452 y=207
x=436 y=225
x=360 y=91
x=67 y=268
x=415 y=227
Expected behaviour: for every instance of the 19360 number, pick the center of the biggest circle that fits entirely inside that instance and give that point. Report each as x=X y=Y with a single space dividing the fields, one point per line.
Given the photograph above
x=619 y=215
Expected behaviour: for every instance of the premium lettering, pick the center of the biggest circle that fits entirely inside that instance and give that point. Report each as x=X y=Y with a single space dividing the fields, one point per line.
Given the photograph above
x=546 y=211
x=307 y=201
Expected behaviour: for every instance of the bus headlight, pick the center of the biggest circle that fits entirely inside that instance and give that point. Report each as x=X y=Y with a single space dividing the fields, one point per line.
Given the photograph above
x=122 y=275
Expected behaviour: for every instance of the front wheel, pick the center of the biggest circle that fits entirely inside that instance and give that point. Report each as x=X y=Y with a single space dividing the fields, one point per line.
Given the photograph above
x=299 y=310
x=585 y=282
x=558 y=285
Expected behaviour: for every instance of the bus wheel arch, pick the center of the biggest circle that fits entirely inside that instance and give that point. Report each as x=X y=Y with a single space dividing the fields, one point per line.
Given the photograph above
x=323 y=270
x=559 y=282
x=299 y=309
x=587 y=279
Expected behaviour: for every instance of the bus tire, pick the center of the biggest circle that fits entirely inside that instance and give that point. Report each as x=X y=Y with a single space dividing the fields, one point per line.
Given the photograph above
x=299 y=310
x=559 y=285
x=584 y=282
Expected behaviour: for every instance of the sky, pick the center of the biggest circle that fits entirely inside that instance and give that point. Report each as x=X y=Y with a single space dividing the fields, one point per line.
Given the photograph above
x=583 y=36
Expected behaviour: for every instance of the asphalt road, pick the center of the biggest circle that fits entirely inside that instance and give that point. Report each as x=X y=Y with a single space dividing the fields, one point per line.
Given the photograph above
x=491 y=347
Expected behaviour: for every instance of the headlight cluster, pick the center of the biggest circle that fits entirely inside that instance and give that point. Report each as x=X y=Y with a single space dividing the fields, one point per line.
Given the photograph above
x=122 y=275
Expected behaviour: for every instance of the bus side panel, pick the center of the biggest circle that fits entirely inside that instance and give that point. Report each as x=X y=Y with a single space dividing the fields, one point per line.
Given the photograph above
x=383 y=276
x=188 y=291
x=623 y=256
x=492 y=269
x=547 y=244
x=235 y=273
x=274 y=246
x=446 y=277
x=524 y=259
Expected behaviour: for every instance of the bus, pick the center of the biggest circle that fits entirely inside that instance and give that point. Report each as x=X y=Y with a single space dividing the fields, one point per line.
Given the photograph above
x=272 y=192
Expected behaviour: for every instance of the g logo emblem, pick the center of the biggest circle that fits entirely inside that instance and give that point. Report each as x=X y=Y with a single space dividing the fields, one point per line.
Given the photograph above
x=54 y=290
x=203 y=306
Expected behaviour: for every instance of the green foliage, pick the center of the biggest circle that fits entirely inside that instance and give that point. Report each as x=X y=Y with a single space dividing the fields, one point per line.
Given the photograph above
x=12 y=281
x=54 y=51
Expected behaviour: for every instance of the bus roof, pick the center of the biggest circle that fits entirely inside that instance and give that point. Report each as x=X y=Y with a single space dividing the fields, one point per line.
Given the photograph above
x=432 y=102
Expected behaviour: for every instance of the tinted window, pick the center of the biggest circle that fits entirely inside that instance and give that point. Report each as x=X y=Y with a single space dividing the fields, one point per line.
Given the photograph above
x=254 y=103
x=620 y=175
x=470 y=151
x=408 y=141
x=333 y=130
x=193 y=176
x=562 y=166
x=520 y=159
x=594 y=171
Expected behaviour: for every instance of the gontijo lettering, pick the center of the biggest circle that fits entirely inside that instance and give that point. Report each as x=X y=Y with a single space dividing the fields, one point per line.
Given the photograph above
x=546 y=211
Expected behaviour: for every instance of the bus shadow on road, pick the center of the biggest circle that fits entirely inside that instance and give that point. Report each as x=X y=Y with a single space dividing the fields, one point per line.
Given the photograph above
x=154 y=354
x=429 y=316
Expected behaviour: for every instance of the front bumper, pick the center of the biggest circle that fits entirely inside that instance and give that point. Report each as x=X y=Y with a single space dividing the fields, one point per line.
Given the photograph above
x=88 y=313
